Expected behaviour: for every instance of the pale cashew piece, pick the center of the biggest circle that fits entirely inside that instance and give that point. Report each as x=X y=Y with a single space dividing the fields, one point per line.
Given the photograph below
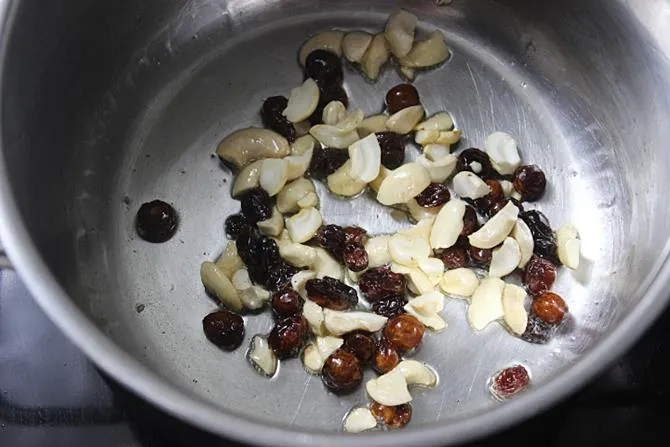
x=302 y=101
x=427 y=53
x=298 y=255
x=389 y=389
x=449 y=137
x=377 y=54
x=404 y=121
x=359 y=420
x=274 y=174
x=469 y=186
x=326 y=265
x=408 y=250
x=304 y=225
x=507 y=187
x=426 y=308
x=216 y=282
x=351 y=120
x=333 y=136
x=496 y=229
x=333 y=113
x=340 y=323
x=448 y=224
x=424 y=137
x=486 y=303
x=433 y=268
x=314 y=315
x=297 y=165
x=417 y=373
x=365 y=156
x=252 y=296
x=505 y=259
x=399 y=32
x=310 y=200
x=438 y=164
x=502 y=150
x=248 y=178
x=272 y=226
x=569 y=245
x=377 y=182
x=377 y=249
x=403 y=184
x=417 y=281
x=407 y=72
x=299 y=280
x=327 y=40
x=292 y=193
x=317 y=352
x=513 y=301
x=229 y=262
x=342 y=183
x=440 y=121
x=355 y=44
x=521 y=233
x=420 y=230
x=303 y=144
x=418 y=212
x=245 y=146
x=372 y=124
x=460 y=282
x=261 y=357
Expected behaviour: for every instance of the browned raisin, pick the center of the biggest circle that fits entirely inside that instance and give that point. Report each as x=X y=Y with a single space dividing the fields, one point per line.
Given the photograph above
x=324 y=67
x=156 y=221
x=550 y=308
x=530 y=182
x=355 y=235
x=477 y=161
x=509 y=382
x=435 y=194
x=543 y=236
x=361 y=343
x=327 y=93
x=400 y=97
x=274 y=119
x=326 y=160
x=390 y=306
x=537 y=331
x=224 y=328
x=287 y=336
x=332 y=238
x=484 y=204
x=502 y=203
x=453 y=257
x=355 y=257
x=470 y=223
x=235 y=224
x=256 y=205
x=380 y=282
x=331 y=293
x=404 y=331
x=342 y=372
x=539 y=275
x=393 y=417
x=386 y=357
x=393 y=149
x=481 y=256
x=286 y=302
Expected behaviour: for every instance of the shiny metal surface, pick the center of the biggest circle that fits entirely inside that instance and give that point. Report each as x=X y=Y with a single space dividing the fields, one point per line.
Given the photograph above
x=124 y=103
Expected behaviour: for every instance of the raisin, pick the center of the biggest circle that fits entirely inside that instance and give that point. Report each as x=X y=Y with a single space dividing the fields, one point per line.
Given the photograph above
x=355 y=257
x=509 y=382
x=331 y=293
x=404 y=331
x=286 y=302
x=261 y=256
x=477 y=161
x=342 y=372
x=324 y=67
x=543 y=236
x=537 y=331
x=256 y=205
x=470 y=223
x=279 y=276
x=400 y=97
x=453 y=257
x=224 y=328
x=386 y=357
x=327 y=93
x=393 y=417
x=550 y=308
x=435 y=194
x=287 y=336
x=484 y=204
x=481 y=256
x=361 y=343
x=502 y=203
x=274 y=119
x=235 y=224
x=355 y=235
x=156 y=221
x=539 y=275
x=530 y=182
x=393 y=149
x=379 y=283
x=325 y=161
x=332 y=238
x=390 y=306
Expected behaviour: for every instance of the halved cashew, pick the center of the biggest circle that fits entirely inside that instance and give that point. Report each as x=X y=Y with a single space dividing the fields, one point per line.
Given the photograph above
x=486 y=303
x=375 y=57
x=355 y=44
x=407 y=250
x=448 y=224
x=326 y=265
x=427 y=53
x=298 y=255
x=340 y=323
x=299 y=280
x=502 y=150
x=469 y=186
x=252 y=296
x=303 y=225
x=359 y=419
x=229 y=262
x=248 y=145
x=521 y=233
x=342 y=183
x=297 y=165
x=439 y=121
x=247 y=178
x=327 y=40
x=389 y=389
x=272 y=226
x=497 y=228
x=372 y=124
x=314 y=315
x=569 y=245
x=302 y=101
x=399 y=32
x=333 y=136
x=292 y=193
x=365 y=156
x=310 y=200
x=420 y=230
x=403 y=184
x=407 y=72
x=438 y=162
x=507 y=187
x=404 y=121
x=216 y=282
x=513 y=302
x=351 y=120
x=426 y=308
x=433 y=268
x=261 y=357
x=417 y=373
x=333 y=113
x=303 y=144
x=448 y=137
x=417 y=281
x=377 y=249
x=461 y=282
x=377 y=182
x=418 y=212
x=274 y=174
x=505 y=259
x=317 y=352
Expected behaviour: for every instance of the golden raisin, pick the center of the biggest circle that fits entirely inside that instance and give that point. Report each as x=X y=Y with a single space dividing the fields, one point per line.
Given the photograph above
x=386 y=357
x=393 y=417
x=550 y=308
x=404 y=331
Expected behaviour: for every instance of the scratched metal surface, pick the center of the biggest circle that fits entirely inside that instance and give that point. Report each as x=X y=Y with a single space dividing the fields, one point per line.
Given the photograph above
x=544 y=75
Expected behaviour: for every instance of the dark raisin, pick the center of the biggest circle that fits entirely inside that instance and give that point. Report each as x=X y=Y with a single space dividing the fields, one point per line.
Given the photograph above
x=484 y=204
x=537 y=331
x=325 y=161
x=331 y=293
x=324 y=67
x=342 y=372
x=328 y=93
x=470 y=223
x=355 y=235
x=287 y=336
x=509 y=382
x=477 y=161
x=400 y=97
x=543 y=236
x=386 y=357
x=279 y=276
x=156 y=221
x=404 y=331
x=355 y=257
x=379 y=283
x=361 y=343
x=235 y=224
x=453 y=257
x=550 y=308
x=261 y=256
x=286 y=302
x=435 y=194
x=224 y=328
x=539 y=275
x=256 y=205
x=393 y=149
x=390 y=306
x=530 y=182
x=481 y=256
x=393 y=417
x=332 y=238
x=502 y=203
x=273 y=118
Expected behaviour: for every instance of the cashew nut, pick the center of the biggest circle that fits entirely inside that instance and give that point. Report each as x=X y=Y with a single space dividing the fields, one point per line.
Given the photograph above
x=248 y=178
x=400 y=32
x=342 y=183
x=404 y=121
x=216 y=282
x=340 y=323
x=372 y=124
x=248 y=145
x=355 y=44
x=229 y=262
x=427 y=53
x=327 y=40
x=261 y=357
x=272 y=226
x=292 y=193
x=403 y=184
x=375 y=57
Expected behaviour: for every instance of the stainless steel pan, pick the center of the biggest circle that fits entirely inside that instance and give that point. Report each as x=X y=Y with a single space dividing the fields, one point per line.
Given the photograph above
x=106 y=105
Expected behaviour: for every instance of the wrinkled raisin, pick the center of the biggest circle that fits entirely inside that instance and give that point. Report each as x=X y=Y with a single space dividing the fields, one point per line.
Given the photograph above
x=355 y=235
x=331 y=293
x=156 y=221
x=393 y=417
x=379 y=283
x=327 y=93
x=404 y=331
x=224 y=328
x=390 y=306
x=274 y=119
x=261 y=256
x=287 y=336
x=550 y=308
x=477 y=161
x=502 y=203
x=286 y=302
x=435 y=194
x=332 y=238
x=256 y=205
x=355 y=257
x=400 y=97
x=539 y=275
x=324 y=67
x=361 y=343
x=484 y=204
x=509 y=382
x=325 y=161
x=481 y=256
x=537 y=331
x=393 y=149
x=279 y=276
x=342 y=372
x=543 y=237
x=453 y=257
x=386 y=357
x=235 y=224
x=530 y=182
x=470 y=223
